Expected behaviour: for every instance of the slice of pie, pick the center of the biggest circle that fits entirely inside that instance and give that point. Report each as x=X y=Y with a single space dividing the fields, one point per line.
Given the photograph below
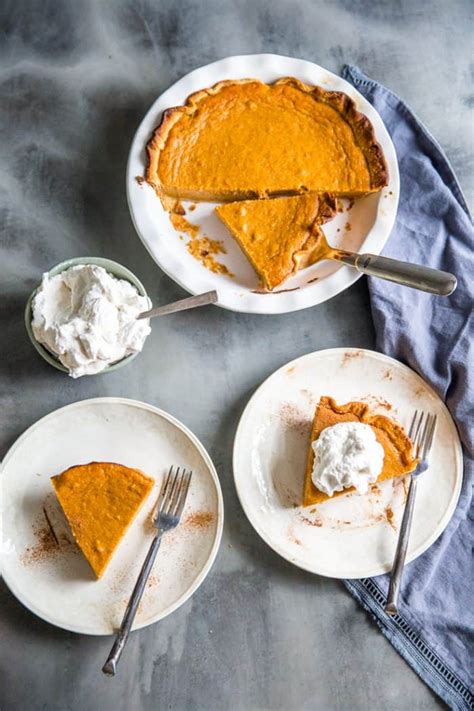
x=277 y=235
x=398 y=459
x=100 y=501
x=245 y=139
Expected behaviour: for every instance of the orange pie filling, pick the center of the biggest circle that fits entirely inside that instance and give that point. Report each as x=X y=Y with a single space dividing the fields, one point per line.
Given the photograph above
x=278 y=235
x=100 y=501
x=246 y=139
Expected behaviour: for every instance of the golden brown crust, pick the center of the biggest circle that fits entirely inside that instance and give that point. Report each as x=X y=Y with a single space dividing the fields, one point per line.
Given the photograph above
x=361 y=126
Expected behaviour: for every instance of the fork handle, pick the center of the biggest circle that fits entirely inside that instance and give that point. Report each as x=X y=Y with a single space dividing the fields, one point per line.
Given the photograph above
x=110 y=666
x=401 y=552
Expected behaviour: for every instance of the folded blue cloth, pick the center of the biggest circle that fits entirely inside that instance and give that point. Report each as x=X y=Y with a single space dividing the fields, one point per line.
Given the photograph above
x=435 y=337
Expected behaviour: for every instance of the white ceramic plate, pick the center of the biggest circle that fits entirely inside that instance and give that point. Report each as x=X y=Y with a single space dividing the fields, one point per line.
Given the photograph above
x=370 y=219
x=352 y=536
x=55 y=582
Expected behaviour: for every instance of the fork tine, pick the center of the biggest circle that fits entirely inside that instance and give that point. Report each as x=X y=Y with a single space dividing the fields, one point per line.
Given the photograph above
x=429 y=436
x=418 y=433
x=411 y=431
x=166 y=499
x=432 y=434
x=176 y=493
x=183 y=494
x=424 y=435
x=163 y=491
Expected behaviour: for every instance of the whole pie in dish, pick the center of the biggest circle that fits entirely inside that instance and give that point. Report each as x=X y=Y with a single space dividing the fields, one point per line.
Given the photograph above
x=398 y=457
x=277 y=235
x=100 y=501
x=245 y=139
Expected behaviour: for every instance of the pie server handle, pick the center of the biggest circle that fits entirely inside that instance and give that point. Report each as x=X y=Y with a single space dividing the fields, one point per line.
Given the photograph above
x=415 y=276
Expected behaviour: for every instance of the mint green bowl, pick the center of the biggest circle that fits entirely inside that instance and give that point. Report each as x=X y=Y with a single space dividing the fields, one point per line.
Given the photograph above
x=114 y=268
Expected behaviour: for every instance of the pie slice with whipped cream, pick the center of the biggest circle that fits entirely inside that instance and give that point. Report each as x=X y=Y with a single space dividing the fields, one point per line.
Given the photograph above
x=397 y=459
x=277 y=235
x=100 y=500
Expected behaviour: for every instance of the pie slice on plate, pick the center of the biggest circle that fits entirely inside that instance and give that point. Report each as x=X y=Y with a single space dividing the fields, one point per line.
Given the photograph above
x=398 y=457
x=277 y=235
x=245 y=139
x=100 y=501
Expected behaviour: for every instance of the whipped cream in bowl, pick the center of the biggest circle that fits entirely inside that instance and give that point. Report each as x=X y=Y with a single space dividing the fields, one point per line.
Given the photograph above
x=346 y=455
x=82 y=318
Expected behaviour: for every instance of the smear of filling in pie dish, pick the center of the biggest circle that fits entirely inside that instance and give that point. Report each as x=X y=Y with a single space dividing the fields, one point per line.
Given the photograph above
x=202 y=248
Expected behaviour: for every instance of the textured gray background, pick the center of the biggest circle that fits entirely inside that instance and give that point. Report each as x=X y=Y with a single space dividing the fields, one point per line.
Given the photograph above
x=76 y=78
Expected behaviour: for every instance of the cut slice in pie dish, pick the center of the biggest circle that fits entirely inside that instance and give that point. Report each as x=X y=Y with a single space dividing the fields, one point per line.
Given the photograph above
x=277 y=235
x=100 y=501
x=245 y=139
x=397 y=446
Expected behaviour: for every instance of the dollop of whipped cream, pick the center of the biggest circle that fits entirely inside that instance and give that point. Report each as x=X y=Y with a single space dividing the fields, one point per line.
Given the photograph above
x=87 y=318
x=346 y=454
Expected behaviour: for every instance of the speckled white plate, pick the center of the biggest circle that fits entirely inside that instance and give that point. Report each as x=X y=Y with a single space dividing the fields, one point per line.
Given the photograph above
x=352 y=536
x=55 y=581
x=366 y=226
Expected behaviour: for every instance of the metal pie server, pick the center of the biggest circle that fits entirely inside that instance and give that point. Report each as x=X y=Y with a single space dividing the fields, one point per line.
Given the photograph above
x=416 y=276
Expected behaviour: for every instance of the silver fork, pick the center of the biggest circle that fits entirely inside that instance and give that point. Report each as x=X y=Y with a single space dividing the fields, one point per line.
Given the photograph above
x=421 y=433
x=169 y=508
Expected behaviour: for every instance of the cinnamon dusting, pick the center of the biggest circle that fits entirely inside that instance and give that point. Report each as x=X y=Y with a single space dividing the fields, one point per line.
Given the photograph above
x=349 y=355
x=46 y=544
x=390 y=517
x=295 y=419
x=376 y=401
x=199 y=519
x=315 y=522
x=50 y=526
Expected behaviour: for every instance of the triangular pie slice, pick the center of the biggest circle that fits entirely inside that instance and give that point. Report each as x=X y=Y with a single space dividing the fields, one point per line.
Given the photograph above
x=398 y=460
x=245 y=139
x=278 y=235
x=100 y=501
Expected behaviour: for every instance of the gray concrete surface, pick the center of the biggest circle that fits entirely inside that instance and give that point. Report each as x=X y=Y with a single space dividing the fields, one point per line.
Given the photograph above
x=75 y=80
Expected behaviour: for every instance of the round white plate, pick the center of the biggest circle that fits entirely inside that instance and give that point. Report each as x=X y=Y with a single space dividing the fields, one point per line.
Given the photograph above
x=364 y=227
x=352 y=536
x=55 y=582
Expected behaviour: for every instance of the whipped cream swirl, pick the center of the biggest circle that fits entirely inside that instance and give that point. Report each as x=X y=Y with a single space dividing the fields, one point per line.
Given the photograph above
x=88 y=318
x=346 y=454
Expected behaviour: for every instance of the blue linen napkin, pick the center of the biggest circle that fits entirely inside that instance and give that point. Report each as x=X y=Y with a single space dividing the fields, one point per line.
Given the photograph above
x=435 y=337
